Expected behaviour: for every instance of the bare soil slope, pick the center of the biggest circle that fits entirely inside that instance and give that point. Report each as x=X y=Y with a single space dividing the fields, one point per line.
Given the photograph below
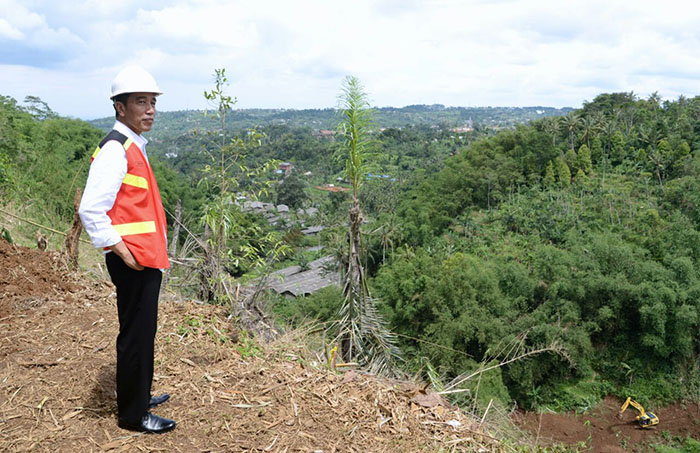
x=602 y=430
x=57 y=389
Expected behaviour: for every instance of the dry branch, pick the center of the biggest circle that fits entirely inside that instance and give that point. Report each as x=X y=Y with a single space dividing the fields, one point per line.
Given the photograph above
x=554 y=347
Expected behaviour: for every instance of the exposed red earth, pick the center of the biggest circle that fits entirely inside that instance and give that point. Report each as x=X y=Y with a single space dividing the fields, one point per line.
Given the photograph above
x=606 y=432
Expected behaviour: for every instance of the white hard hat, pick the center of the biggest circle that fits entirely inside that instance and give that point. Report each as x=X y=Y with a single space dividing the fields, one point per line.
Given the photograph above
x=134 y=79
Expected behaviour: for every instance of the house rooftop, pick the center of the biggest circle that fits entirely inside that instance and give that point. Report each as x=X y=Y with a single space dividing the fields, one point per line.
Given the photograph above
x=295 y=282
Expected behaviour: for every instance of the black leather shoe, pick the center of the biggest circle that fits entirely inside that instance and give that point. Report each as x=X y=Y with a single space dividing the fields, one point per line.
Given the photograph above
x=150 y=423
x=156 y=400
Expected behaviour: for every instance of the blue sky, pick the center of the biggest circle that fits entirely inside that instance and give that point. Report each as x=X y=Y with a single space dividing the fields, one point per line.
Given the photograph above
x=294 y=54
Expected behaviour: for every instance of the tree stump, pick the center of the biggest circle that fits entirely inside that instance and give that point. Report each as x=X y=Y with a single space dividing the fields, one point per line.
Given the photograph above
x=73 y=235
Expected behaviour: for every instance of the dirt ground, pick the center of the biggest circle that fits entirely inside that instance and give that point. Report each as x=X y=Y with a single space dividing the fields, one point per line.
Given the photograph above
x=229 y=394
x=606 y=433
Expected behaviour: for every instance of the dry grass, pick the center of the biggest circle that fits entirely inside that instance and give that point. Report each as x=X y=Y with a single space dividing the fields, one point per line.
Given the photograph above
x=57 y=389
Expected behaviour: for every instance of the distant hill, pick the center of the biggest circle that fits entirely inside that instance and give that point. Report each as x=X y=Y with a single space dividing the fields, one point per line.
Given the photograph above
x=385 y=117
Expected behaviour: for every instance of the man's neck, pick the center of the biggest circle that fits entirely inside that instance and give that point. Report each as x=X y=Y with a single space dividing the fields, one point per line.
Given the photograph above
x=139 y=139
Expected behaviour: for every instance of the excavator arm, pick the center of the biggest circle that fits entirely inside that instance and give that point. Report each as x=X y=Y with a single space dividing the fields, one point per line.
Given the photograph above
x=624 y=406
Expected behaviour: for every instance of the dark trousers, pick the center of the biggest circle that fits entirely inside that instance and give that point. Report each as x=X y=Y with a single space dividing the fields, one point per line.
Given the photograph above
x=137 y=305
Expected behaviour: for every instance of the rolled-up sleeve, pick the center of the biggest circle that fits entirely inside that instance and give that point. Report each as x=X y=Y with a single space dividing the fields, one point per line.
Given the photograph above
x=107 y=172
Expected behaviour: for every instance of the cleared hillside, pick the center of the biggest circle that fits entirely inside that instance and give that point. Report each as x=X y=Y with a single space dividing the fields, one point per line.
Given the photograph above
x=57 y=386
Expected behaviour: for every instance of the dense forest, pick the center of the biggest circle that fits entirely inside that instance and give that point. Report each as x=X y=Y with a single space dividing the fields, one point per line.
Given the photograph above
x=580 y=232
x=572 y=240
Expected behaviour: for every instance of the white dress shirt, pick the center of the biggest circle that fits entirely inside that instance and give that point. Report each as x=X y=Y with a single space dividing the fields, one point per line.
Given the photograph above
x=107 y=172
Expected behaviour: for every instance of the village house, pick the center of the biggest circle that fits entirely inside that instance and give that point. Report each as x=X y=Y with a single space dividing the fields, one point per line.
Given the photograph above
x=467 y=127
x=323 y=133
x=285 y=167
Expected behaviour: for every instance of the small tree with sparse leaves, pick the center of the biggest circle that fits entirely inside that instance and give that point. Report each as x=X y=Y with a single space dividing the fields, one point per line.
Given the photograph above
x=228 y=238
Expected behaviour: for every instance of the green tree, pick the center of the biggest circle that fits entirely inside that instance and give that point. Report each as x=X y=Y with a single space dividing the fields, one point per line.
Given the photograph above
x=551 y=127
x=660 y=156
x=571 y=159
x=38 y=108
x=590 y=125
x=583 y=160
x=563 y=172
x=571 y=123
x=681 y=158
x=642 y=157
x=596 y=150
x=617 y=147
x=549 y=179
x=291 y=191
x=607 y=130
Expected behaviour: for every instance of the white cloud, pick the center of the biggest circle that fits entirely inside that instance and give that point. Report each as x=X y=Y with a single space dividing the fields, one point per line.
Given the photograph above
x=223 y=26
x=75 y=95
x=32 y=28
x=8 y=31
x=295 y=54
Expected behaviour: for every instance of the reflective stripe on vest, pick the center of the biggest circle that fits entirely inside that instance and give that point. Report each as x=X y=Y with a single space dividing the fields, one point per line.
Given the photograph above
x=136 y=181
x=126 y=145
x=125 y=229
x=129 y=179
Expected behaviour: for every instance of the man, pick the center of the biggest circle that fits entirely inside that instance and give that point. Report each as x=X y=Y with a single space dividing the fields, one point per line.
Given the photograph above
x=122 y=212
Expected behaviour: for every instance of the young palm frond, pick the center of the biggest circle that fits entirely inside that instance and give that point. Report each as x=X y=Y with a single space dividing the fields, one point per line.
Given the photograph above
x=362 y=334
x=354 y=128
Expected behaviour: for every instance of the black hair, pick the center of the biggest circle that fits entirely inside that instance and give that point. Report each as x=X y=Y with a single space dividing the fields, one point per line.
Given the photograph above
x=123 y=98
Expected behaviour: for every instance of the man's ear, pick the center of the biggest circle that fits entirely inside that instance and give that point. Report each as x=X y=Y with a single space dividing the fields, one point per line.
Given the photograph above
x=120 y=108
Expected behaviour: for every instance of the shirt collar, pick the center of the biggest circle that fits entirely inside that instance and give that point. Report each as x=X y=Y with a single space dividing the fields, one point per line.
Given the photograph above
x=140 y=140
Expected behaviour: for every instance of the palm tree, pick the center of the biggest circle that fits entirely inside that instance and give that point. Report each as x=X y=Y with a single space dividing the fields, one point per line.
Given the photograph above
x=599 y=119
x=571 y=123
x=590 y=125
x=389 y=233
x=625 y=118
x=650 y=136
x=608 y=128
x=654 y=100
x=362 y=334
x=551 y=127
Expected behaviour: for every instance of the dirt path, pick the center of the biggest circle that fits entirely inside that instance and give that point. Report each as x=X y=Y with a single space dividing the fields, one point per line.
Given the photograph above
x=602 y=430
x=229 y=394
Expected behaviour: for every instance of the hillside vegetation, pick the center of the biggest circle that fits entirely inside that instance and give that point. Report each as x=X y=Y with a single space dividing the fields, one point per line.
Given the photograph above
x=580 y=232
x=576 y=236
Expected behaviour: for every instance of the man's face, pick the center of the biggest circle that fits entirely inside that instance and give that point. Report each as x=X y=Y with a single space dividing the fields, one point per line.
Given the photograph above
x=139 y=111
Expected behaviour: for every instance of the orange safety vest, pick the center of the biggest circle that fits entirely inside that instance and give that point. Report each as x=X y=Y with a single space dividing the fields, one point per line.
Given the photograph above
x=138 y=214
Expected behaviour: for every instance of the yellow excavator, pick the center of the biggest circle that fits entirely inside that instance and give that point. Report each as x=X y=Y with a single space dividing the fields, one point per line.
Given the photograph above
x=646 y=419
